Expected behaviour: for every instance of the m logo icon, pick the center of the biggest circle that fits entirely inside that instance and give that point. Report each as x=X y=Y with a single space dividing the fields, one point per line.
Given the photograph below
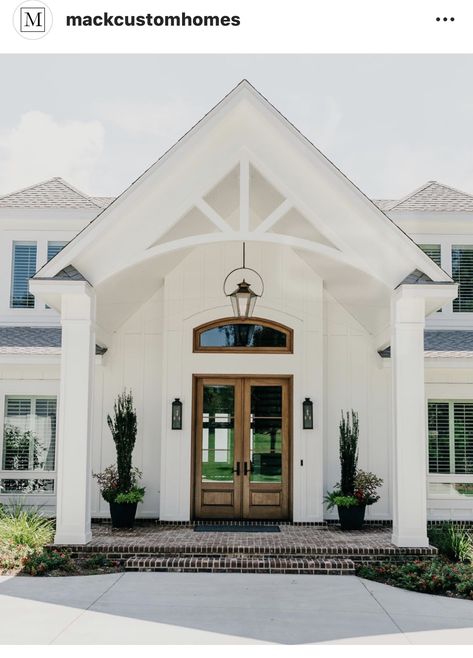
x=32 y=20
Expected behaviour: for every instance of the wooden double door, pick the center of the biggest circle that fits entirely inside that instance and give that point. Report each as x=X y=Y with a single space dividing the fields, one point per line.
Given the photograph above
x=242 y=448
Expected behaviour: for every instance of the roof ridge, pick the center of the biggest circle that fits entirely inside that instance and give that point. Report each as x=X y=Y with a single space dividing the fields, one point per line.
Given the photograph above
x=424 y=187
x=50 y=180
x=454 y=189
x=30 y=187
x=77 y=191
x=60 y=183
x=421 y=188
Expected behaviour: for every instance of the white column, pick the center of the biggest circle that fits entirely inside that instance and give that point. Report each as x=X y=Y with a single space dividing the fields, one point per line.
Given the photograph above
x=409 y=455
x=75 y=414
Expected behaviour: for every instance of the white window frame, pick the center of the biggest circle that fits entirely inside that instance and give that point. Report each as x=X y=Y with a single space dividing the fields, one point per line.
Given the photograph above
x=447 y=318
x=12 y=273
x=447 y=478
x=40 y=313
x=28 y=474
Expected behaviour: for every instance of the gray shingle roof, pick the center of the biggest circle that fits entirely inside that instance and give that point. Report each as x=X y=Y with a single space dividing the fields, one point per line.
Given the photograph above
x=433 y=197
x=57 y=193
x=33 y=340
x=69 y=272
x=103 y=201
x=444 y=344
x=52 y=193
x=417 y=277
x=383 y=204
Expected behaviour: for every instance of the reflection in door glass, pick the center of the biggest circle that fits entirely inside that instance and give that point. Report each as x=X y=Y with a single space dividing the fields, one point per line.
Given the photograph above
x=266 y=434
x=218 y=424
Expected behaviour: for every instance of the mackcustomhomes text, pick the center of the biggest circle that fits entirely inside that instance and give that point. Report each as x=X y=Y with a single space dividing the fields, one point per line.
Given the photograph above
x=150 y=20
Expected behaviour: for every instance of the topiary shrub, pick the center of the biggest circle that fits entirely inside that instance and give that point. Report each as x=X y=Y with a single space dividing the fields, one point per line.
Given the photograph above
x=123 y=428
x=349 y=430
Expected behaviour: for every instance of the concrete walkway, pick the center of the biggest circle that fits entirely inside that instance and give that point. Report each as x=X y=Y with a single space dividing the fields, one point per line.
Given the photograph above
x=187 y=608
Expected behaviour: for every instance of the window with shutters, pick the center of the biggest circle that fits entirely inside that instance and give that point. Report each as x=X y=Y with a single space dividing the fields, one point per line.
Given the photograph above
x=462 y=273
x=450 y=432
x=29 y=445
x=23 y=268
x=432 y=251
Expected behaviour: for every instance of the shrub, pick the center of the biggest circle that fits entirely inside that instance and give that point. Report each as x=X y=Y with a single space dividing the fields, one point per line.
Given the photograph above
x=366 y=485
x=23 y=527
x=119 y=483
x=13 y=557
x=98 y=561
x=135 y=495
x=108 y=482
x=335 y=498
x=431 y=576
x=348 y=452
x=123 y=428
x=455 y=542
x=49 y=559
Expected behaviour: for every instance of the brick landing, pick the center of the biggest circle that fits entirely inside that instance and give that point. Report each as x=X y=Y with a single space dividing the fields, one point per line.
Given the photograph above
x=295 y=549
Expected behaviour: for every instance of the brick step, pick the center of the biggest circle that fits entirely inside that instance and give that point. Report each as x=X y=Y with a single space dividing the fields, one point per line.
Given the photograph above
x=241 y=564
x=354 y=553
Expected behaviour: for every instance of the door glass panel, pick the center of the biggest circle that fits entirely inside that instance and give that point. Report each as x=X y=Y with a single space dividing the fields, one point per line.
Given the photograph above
x=266 y=434
x=218 y=425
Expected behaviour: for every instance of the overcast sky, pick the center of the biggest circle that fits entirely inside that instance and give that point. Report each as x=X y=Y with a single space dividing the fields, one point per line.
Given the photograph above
x=390 y=123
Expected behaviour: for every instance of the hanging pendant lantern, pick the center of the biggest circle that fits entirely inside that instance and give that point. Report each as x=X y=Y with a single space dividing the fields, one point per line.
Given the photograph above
x=243 y=298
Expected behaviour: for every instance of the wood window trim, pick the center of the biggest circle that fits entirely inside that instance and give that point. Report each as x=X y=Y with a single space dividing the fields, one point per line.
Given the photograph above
x=287 y=331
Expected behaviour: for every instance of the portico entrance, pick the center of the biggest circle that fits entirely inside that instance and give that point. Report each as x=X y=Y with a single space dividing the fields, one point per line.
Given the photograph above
x=242 y=447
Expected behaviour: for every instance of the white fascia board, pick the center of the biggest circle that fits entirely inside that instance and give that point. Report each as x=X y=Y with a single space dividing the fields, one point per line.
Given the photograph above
x=66 y=256
x=420 y=225
x=446 y=291
x=432 y=362
x=435 y=295
x=38 y=214
x=420 y=259
x=428 y=215
x=30 y=359
x=386 y=228
x=38 y=359
x=60 y=287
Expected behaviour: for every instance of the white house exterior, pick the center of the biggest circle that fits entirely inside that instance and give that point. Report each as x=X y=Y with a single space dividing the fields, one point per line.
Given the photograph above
x=349 y=298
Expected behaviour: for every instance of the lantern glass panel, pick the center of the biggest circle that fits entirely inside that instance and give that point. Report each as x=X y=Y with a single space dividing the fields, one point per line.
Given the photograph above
x=307 y=414
x=176 y=422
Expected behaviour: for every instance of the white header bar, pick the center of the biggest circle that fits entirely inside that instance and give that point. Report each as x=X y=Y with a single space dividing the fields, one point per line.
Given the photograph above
x=236 y=26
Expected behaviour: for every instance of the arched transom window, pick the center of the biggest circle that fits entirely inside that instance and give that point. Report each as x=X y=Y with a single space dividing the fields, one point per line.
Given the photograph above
x=235 y=335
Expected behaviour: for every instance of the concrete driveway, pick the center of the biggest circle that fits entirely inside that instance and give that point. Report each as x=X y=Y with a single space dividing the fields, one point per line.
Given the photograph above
x=186 y=608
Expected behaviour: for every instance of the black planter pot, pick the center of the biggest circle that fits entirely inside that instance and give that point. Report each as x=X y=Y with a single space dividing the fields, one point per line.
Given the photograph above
x=351 y=518
x=123 y=514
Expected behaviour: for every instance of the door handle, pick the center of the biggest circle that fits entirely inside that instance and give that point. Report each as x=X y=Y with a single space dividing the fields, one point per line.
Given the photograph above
x=247 y=470
x=237 y=469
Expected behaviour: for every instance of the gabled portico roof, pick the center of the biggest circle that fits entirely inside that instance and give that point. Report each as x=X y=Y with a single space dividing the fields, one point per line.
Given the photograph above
x=244 y=173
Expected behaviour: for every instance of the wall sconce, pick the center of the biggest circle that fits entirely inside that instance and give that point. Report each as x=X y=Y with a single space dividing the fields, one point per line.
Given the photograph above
x=176 y=419
x=307 y=414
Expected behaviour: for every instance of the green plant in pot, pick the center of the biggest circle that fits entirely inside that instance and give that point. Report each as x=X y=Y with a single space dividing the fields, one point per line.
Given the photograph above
x=356 y=488
x=119 y=485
